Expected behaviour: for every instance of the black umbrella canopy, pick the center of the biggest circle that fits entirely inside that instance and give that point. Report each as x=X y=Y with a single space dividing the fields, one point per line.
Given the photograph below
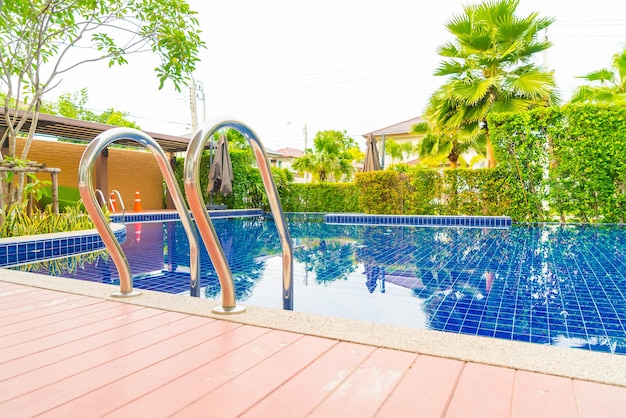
x=372 y=159
x=221 y=172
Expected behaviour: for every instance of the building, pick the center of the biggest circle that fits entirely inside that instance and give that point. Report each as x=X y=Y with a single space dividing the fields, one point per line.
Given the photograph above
x=400 y=132
x=283 y=158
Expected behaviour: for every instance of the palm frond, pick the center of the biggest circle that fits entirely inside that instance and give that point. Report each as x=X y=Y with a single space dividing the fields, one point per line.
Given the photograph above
x=449 y=67
x=603 y=75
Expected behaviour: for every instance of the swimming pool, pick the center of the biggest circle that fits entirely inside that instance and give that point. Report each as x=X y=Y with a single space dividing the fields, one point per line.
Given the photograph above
x=561 y=285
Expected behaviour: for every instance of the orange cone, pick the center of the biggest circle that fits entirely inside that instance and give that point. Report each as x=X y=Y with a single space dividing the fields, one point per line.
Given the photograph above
x=113 y=203
x=137 y=207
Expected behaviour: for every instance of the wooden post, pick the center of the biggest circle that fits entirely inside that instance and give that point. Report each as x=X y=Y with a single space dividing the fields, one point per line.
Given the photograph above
x=55 y=191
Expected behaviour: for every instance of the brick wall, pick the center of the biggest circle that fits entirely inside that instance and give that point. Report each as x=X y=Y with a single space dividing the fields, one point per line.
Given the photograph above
x=129 y=170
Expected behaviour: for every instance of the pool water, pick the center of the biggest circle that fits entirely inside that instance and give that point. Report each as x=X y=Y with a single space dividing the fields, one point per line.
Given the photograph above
x=562 y=285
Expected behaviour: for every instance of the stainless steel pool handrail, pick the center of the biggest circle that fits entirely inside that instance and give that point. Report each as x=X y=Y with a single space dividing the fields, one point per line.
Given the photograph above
x=103 y=201
x=205 y=226
x=86 y=189
x=119 y=199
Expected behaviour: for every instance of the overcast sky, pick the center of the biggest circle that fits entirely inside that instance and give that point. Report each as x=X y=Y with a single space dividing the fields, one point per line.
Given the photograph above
x=353 y=65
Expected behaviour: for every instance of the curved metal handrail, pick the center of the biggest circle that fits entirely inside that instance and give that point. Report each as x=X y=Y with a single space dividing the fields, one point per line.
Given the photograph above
x=85 y=187
x=119 y=199
x=103 y=201
x=205 y=226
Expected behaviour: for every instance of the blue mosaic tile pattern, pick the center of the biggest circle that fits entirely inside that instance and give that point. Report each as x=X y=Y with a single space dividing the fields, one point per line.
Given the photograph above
x=545 y=284
x=50 y=246
x=173 y=216
x=30 y=249
x=420 y=220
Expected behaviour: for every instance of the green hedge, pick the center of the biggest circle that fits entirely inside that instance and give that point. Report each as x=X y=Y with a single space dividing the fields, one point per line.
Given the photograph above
x=566 y=163
x=320 y=197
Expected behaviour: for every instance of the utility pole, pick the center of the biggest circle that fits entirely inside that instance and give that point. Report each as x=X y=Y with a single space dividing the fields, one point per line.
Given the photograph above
x=193 y=106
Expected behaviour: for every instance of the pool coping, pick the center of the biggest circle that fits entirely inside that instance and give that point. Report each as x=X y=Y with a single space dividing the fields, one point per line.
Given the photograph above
x=559 y=361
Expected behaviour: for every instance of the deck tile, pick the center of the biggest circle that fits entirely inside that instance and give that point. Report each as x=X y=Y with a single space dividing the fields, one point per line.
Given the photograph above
x=426 y=389
x=63 y=381
x=177 y=394
x=539 y=395
x=596 y=400
x=258 y=381
x=482 y=391
x=307 y=389
x=365 y=390
x=136 y=322
x=226 y=336
x=78 y=356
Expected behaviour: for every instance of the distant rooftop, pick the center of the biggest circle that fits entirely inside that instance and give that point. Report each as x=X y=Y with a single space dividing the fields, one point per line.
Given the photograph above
x=290 y=152
x=398 y=128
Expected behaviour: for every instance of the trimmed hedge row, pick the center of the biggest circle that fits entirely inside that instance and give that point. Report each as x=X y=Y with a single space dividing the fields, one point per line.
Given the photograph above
x=566 y=163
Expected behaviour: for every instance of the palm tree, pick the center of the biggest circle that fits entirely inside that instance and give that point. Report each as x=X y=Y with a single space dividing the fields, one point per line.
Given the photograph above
x=612 y=88
x=332 y=159
x=398 y=151
x=490 y=69
x=450 y=145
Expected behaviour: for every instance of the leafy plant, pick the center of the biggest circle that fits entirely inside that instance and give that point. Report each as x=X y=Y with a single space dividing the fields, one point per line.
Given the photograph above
x=17 y=221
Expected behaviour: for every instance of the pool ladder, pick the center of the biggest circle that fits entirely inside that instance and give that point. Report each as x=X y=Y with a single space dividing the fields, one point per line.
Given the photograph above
x=197 y=206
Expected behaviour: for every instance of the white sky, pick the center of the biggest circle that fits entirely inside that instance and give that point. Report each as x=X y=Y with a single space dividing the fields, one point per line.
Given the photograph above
x=353 y=65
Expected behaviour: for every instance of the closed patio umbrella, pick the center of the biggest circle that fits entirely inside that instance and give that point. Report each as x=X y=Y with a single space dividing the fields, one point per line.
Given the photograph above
x=372 y=159
x=221 y=172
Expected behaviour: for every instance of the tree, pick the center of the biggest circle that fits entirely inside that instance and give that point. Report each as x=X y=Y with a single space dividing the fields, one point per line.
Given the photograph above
x=489 y=68
x=398 y=151
x=450 y=144
x=612 y=83
x=41 y=40
x=72 y=105
x=332 y=157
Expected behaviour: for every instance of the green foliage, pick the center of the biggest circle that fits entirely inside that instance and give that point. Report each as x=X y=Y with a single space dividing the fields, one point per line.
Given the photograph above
x=320 y=197
x=489 y=69
x=16 y=221
x=607 y=85
x=381 y=191
x=332 y=157
x=248 y=189
x=555 y=163
x=565 y=163
x=41 y=41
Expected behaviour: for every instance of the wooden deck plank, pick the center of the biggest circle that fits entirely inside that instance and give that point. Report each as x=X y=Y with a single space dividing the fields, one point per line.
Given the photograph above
x=365 y=390
x=226 y=336
x=134 y=323
x=538 y=395
x=175 y=395
x=260 y=380
x=63 y=381
x=596 y=400
x=482 y=391
x=83 y=316
x=302 y=393
x=26 y=321
x=125 y=360
x=426 y=389
x=34 y=301
x=46 y=342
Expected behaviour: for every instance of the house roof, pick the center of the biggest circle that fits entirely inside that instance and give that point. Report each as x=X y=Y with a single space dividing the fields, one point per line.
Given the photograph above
x=398 y=128
x=58 y=126
x=290 y=152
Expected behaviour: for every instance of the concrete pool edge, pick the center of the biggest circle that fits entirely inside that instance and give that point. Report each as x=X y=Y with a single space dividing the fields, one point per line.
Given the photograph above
x=566 y=362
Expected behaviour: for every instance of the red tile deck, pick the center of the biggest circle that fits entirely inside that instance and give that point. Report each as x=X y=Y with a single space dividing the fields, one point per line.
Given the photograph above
x=65 y=355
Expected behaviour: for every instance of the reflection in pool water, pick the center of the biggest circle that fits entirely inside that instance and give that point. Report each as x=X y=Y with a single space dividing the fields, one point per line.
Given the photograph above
x=547 y=284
